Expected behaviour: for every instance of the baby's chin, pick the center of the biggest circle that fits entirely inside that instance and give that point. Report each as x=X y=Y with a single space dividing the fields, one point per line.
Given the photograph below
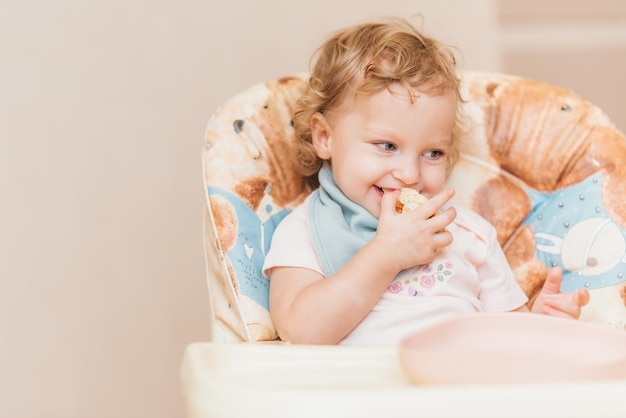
x=376 y=213
x=371 y=202
x=374 y=208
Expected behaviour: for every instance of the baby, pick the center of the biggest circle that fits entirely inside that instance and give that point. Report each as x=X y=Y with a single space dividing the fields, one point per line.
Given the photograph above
x=382 y=112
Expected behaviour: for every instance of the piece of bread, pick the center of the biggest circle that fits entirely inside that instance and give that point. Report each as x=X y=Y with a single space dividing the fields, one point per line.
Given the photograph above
x=409 y=199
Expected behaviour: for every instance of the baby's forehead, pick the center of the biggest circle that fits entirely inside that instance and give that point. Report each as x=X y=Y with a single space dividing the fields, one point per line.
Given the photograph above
x=351 y=97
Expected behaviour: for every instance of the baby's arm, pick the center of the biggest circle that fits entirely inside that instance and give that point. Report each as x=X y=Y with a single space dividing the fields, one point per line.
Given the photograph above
x=552 y=302
x=311 y=309
x=307 y=308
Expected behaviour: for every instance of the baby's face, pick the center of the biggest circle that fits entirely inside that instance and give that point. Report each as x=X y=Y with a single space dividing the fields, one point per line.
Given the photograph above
x=385 y=141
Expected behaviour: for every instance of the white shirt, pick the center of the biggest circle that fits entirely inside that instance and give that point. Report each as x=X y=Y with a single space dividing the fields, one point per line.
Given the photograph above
x=470 y=275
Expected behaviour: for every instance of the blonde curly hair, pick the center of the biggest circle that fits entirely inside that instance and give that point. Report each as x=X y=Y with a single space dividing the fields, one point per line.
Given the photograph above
x=368 y=58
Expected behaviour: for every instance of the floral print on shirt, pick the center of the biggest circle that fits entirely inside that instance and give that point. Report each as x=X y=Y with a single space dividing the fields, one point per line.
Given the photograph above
x=422 y=279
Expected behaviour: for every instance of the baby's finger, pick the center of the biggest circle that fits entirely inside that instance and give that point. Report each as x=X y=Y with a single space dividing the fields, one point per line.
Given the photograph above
x=552 y=285
x=442 y=239
x=443 y=219
x=388 y=202
x=434 y=204
x=562 y=304
x=549 y=310
x=583 y=296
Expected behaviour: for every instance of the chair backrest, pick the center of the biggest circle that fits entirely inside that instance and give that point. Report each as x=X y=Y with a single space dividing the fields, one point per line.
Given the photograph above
x=543 y=165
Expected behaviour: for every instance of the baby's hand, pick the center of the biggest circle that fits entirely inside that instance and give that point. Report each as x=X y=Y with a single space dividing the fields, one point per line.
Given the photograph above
x=552 y=302
x=414 y=238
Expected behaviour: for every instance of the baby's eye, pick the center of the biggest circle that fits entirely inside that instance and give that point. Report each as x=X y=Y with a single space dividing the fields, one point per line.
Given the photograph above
x=434 y=154
x=386 y=146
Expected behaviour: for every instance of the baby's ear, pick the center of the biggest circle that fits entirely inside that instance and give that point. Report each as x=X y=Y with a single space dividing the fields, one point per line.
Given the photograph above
x=321 y=136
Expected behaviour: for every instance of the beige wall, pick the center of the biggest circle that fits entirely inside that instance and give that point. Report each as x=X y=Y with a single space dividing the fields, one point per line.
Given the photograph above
x=577 y=44
x=103 y=105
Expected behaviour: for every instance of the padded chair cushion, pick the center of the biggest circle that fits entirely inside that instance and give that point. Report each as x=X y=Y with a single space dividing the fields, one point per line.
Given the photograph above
x=543 y=165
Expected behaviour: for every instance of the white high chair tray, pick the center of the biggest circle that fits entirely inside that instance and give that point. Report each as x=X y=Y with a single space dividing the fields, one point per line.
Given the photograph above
x=281 y=380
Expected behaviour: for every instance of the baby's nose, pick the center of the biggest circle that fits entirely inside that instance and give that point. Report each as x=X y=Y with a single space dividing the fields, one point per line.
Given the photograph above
x=408 y=172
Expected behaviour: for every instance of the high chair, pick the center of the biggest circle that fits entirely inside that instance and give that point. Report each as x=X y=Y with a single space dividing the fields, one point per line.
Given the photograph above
x=544 y=166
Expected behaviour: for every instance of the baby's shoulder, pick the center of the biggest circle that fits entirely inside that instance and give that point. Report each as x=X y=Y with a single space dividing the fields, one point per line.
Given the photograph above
x=299 y=216
x=469 y=220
